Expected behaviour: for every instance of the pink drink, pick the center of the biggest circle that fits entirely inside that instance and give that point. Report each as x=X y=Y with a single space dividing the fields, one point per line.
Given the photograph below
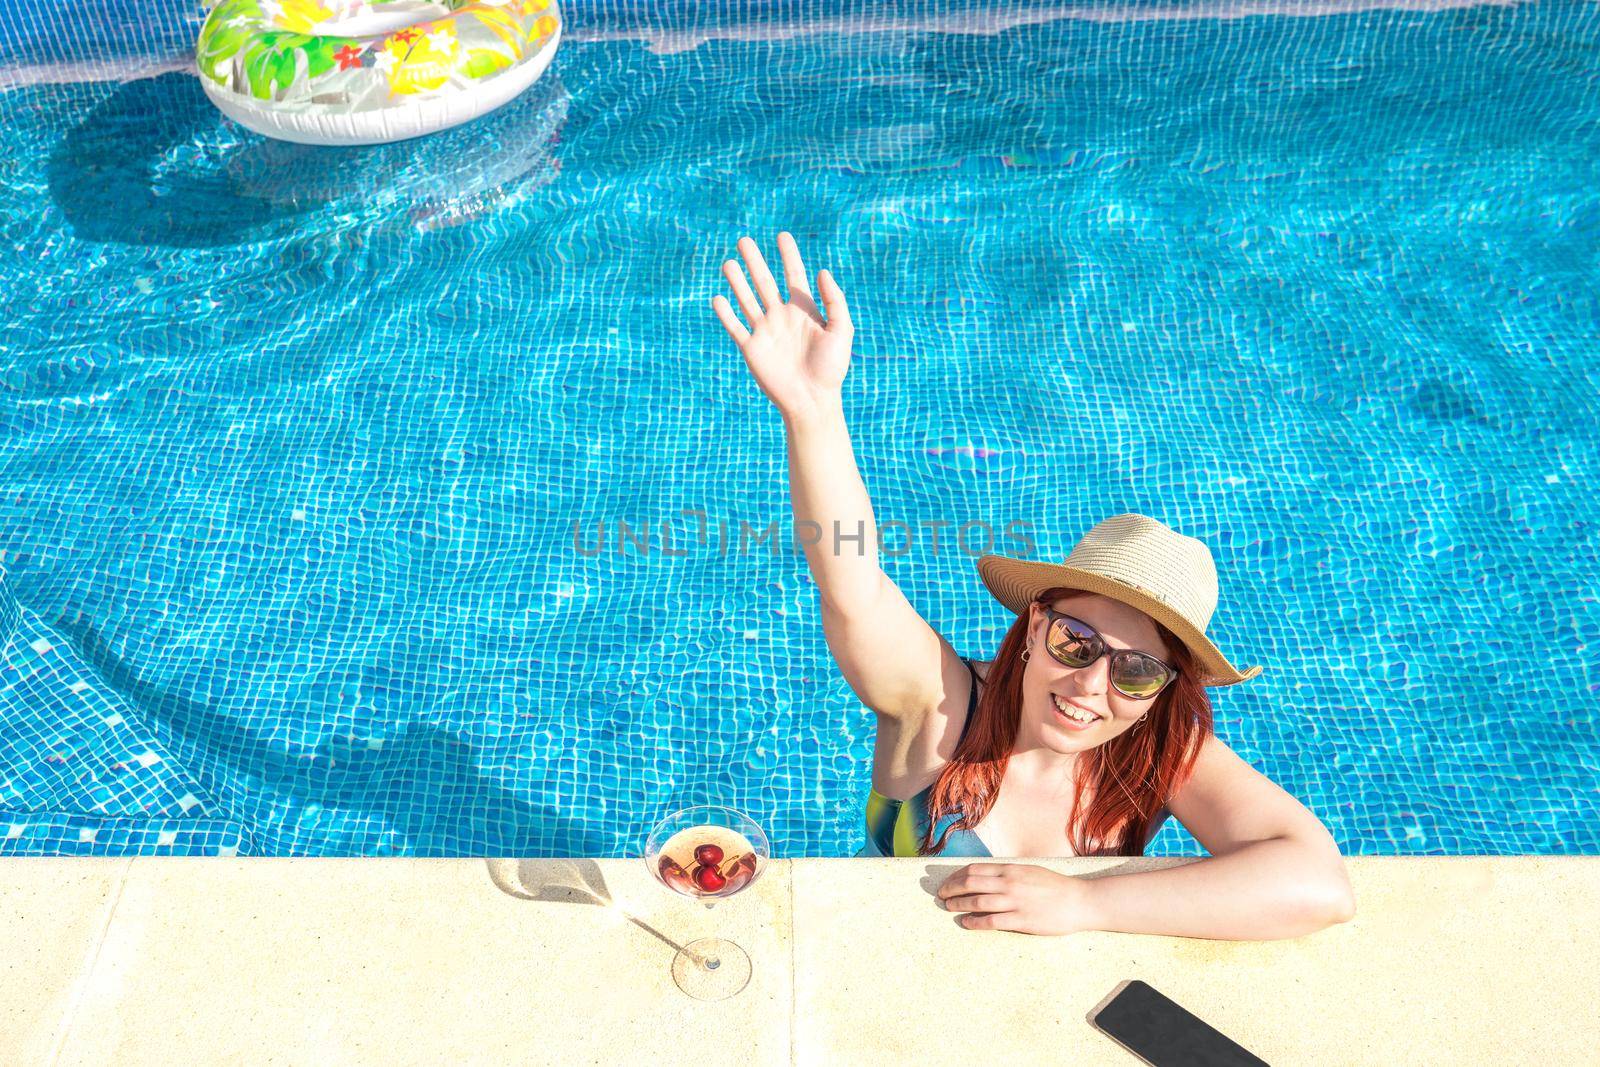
x=707 y=861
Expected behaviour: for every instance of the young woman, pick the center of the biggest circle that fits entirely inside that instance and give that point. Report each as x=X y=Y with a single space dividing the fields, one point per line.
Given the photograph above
x=1089 y=727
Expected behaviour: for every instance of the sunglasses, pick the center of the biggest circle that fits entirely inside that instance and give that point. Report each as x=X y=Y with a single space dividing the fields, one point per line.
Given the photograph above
x=1134 y=674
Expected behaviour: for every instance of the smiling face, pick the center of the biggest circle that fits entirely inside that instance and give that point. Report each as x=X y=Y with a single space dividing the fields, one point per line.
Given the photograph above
x=1083 y=689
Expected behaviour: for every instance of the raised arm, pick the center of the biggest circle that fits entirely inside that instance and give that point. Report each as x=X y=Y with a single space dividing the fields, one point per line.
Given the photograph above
x=891 y=657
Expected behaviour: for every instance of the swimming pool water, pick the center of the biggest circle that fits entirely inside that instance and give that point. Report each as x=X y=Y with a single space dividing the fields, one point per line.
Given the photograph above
x=294 y=442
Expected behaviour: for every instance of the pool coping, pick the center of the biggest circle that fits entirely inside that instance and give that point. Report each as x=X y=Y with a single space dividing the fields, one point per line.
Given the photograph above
x=148 y=960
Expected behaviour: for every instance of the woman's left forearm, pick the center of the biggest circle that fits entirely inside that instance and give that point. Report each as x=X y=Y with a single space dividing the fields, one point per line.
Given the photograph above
x=1266 y=890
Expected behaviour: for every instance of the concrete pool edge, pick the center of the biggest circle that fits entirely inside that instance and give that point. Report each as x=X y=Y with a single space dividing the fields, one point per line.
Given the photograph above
x=1455 y=959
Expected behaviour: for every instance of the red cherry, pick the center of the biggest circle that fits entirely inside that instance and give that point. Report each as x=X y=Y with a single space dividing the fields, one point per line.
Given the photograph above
x=708 y=879
x=710 y=855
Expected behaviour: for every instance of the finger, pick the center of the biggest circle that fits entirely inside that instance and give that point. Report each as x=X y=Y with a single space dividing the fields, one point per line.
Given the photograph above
x=765 y=284
x=963 y=882
x=981 y=870
x=969 y=890
x=980 y=902
x=1002 y=920
x=730 y=321
x=741 y=289
x=839 y=322
x=794 y=271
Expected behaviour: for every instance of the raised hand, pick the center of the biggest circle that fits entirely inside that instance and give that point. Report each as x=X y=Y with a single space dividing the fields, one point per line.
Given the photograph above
x=798 y=358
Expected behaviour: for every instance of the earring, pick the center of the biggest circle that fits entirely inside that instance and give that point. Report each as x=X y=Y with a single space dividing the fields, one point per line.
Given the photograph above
x=1026 y=653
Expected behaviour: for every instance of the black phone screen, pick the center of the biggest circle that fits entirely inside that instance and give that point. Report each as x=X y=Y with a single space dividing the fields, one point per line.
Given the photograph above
x=1161 y=1033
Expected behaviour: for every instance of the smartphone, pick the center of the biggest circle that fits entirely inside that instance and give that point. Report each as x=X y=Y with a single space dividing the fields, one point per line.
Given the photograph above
x=1161 y=1033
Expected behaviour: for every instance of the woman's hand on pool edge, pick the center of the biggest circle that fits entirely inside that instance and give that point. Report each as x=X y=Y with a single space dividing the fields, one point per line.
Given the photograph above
x=1018 y=897
x=798 y=358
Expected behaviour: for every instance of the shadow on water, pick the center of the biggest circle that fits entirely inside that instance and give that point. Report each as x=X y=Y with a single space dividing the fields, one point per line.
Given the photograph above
x=423 y=782
x=1441 y=401
x=154 y=164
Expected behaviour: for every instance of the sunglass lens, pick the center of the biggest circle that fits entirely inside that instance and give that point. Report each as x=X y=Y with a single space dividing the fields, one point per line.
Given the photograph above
x=1138 y=676
x=1071 y=643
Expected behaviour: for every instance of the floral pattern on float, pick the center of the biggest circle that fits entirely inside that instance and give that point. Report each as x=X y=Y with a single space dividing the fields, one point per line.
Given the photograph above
x=289 y=51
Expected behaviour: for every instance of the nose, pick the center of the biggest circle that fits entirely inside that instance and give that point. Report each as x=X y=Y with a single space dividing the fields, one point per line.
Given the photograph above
x=1096 y=677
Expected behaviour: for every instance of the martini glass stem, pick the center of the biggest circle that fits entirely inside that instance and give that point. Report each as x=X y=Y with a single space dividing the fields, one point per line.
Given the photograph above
x=711 y=962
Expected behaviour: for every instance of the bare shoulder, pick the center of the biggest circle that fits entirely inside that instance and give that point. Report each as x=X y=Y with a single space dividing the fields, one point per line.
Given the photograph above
x=1227 y=804
x=982 y=667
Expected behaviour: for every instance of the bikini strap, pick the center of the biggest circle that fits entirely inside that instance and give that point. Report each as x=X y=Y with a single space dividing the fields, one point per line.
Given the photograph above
x=972 y=699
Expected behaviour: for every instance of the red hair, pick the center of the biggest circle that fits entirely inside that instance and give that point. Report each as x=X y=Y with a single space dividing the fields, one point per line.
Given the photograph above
x=1127 y=779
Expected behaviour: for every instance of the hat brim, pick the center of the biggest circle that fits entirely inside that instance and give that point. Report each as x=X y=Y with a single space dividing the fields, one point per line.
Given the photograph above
x=1015 y=582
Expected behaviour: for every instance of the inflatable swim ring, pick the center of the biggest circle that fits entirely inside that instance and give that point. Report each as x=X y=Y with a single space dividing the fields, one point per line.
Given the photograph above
x=370 y=71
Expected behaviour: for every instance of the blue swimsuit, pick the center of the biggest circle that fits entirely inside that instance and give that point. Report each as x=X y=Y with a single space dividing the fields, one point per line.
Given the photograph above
x=894 y=827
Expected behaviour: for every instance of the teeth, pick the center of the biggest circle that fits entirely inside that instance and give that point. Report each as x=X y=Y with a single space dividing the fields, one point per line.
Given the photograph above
x=1071 y=712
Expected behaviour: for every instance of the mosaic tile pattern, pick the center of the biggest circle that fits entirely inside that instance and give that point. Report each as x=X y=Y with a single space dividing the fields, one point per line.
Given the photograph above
x=79 y=773
x=294 y=444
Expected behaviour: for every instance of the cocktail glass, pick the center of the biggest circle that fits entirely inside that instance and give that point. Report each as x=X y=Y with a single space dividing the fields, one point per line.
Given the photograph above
x=708 y=852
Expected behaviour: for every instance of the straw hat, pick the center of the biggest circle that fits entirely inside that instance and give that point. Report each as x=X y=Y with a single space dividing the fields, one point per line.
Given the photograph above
x=1140 y=562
